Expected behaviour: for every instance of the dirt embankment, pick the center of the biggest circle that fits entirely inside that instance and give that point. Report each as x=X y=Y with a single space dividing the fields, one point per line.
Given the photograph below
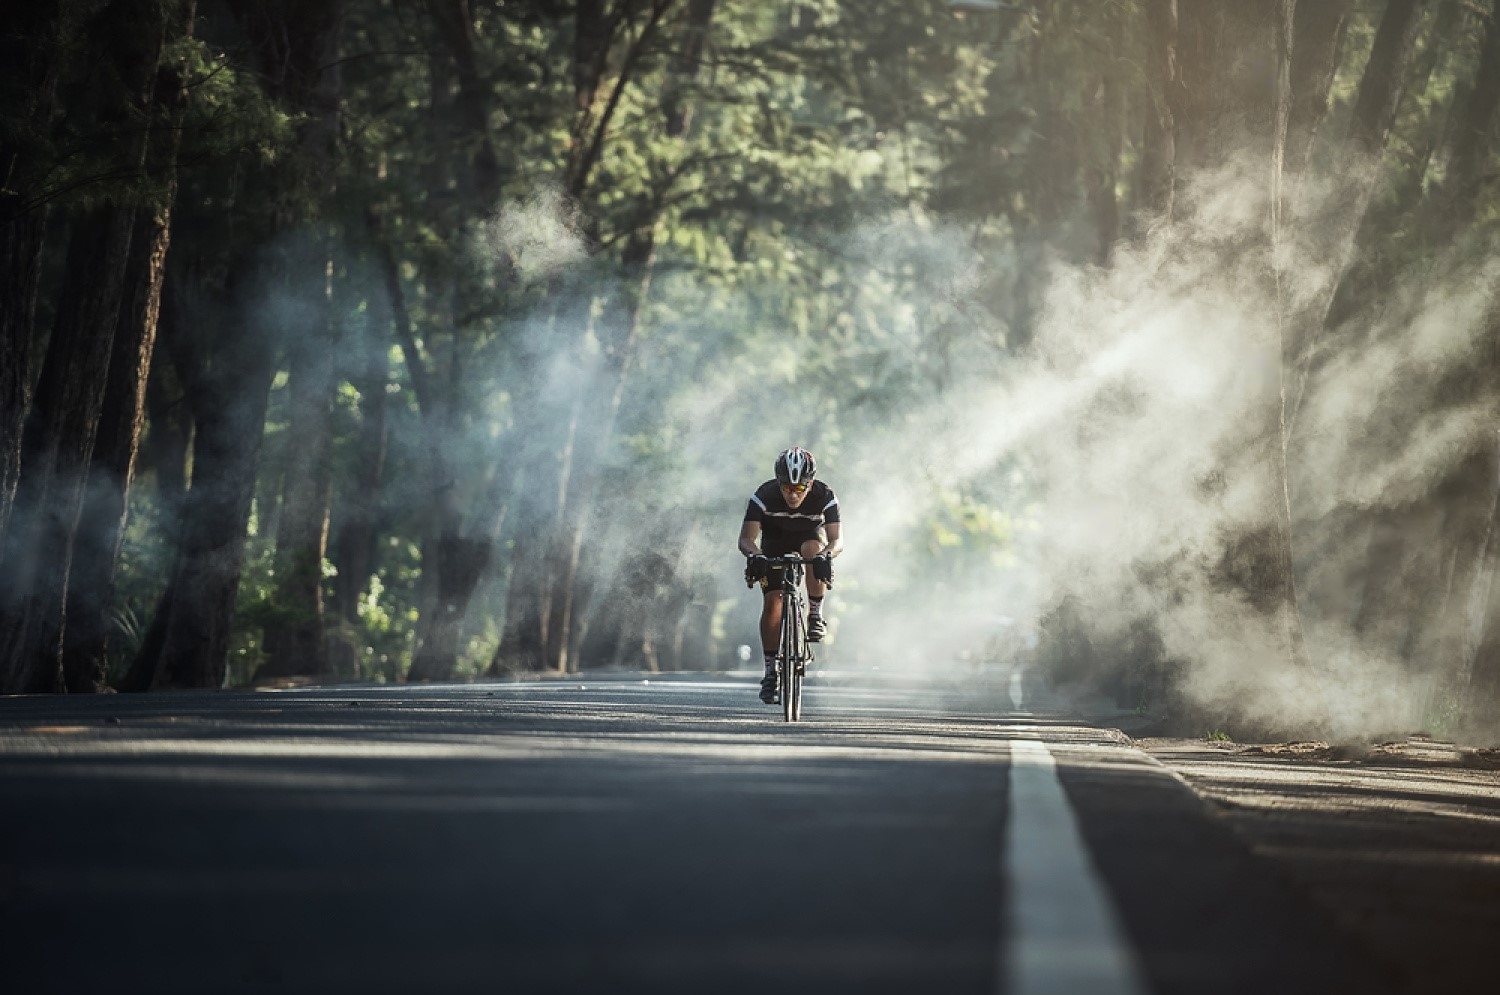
x=1399 y=842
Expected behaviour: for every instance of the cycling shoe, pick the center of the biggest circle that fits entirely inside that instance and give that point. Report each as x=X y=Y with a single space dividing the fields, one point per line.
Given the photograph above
x=768 y=689
x=815 y=628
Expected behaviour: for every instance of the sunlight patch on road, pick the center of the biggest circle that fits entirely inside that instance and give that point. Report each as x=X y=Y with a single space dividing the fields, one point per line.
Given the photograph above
x=502 y=747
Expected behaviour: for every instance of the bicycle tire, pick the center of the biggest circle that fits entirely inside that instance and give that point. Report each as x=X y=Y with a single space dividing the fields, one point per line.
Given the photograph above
x=799 y=657
x=789 y=603
x=786 y=666
x=796 y=657
x=796 y=692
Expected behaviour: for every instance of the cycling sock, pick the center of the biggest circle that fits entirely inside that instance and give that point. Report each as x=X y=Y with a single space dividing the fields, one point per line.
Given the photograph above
x=770 y=660
x=816 y=606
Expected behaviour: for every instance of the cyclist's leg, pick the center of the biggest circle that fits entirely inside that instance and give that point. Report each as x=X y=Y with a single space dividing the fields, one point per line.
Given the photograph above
x=770 y=632
x=815 y=587
x=815 y=591
x=770 y=619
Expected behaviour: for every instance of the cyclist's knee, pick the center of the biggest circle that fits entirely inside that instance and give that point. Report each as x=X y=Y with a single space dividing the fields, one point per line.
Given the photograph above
x=812 y=547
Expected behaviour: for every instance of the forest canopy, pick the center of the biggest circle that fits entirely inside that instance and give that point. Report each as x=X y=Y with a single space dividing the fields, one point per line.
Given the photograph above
x=1149 y=345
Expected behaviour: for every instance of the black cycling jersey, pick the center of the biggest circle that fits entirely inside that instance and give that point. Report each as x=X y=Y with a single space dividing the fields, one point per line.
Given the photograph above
x=784 y=528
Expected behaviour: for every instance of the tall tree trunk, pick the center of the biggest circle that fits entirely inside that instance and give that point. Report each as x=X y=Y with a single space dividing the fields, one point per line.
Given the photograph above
x=1319 y=34
x=540 y=595
x=1335 y=222
x=1470 y=137
x=35 y=48
x=90 y=588
x=58 y=444
x=355 y=548
x=1478 y=674
x=1394 y=549
x=91 y=579
x=455 y=558
x=229 y=413
x=596 y=435
x=294 y=643
x=544 y=448
x=436 y=654
x=599 y=405
x=1449 y=602
x=1226 y=94
x=455 y=23
x=1285 y=577
x=465 y=559
x=1104 y=174
x=456 y=554
x=58 y=437
x=523 y=640
x=164 y=455
x=1372 y=264
x=1236 y=98
x=1156 y=180
x=1382 y=84
x=227 y=375
x=20 y=253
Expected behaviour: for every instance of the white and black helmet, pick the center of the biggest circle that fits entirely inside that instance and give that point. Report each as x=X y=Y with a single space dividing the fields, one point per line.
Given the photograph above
x=795 y=466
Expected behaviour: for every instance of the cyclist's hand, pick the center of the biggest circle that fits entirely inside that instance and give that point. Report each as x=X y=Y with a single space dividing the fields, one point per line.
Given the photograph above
x=756 y=567
x=822 y=568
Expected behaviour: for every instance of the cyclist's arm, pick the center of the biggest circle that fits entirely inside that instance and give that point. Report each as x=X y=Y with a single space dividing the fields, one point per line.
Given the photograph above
x=750 y=538
x=835 y=544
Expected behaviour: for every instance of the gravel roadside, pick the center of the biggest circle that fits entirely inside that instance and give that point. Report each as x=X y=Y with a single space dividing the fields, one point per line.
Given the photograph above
x=1399 y=842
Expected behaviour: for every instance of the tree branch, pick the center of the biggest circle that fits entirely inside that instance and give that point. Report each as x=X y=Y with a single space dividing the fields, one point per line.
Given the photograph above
x=421 y=382
x=595 y=145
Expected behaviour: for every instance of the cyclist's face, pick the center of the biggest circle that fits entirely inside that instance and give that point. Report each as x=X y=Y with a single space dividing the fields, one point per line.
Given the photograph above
x=794 y=494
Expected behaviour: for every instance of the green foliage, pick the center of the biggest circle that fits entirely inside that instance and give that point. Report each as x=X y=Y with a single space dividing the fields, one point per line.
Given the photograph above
x=848 y=228
x=230 y=112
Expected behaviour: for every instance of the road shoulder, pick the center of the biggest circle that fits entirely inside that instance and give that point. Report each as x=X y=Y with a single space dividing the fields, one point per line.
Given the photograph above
x=1200 y=908
x=1398 y=844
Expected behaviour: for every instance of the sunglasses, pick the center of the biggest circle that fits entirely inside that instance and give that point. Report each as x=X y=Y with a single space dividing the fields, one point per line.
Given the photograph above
x=794 y=488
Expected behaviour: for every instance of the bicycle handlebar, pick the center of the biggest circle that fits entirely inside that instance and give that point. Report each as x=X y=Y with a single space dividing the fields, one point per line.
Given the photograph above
x=785 y=559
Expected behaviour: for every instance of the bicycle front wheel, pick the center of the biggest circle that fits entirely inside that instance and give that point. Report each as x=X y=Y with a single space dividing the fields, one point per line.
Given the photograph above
x=790 y=685
x=794 y=691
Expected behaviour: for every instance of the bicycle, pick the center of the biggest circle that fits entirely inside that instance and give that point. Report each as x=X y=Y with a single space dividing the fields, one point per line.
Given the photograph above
x=793 y=652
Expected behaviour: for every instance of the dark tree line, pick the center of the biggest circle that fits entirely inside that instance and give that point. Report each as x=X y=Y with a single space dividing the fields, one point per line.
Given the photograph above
x=333 y=334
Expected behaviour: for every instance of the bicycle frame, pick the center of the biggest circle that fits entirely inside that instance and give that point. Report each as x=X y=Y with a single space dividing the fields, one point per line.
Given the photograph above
x=792 y=652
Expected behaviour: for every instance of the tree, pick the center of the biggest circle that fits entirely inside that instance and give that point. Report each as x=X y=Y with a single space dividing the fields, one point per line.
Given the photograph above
x=37 y=43
x=64 y=417
x=227 y=355
x=90 y=586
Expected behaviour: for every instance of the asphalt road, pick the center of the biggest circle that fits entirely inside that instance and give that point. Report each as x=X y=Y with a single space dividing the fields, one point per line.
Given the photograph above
x=618 y=835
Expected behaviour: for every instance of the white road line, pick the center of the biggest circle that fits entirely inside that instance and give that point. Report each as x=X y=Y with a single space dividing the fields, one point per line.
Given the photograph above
x=1064 y=936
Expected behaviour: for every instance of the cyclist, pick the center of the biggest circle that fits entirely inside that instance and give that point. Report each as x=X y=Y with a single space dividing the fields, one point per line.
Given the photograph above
x=792 y=513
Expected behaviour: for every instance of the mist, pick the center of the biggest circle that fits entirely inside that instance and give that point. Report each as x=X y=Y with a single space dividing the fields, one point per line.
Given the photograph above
x=459 y=379
x=1114 y=458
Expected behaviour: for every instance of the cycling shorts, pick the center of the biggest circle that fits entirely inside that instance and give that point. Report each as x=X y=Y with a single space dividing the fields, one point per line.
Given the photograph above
x=779 y=544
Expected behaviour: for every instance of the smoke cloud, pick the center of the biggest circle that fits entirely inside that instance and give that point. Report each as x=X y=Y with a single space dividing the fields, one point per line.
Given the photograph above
x=1094 y=479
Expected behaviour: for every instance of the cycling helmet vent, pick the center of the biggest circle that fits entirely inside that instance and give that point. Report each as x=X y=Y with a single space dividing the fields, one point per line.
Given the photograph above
x=795 y=466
